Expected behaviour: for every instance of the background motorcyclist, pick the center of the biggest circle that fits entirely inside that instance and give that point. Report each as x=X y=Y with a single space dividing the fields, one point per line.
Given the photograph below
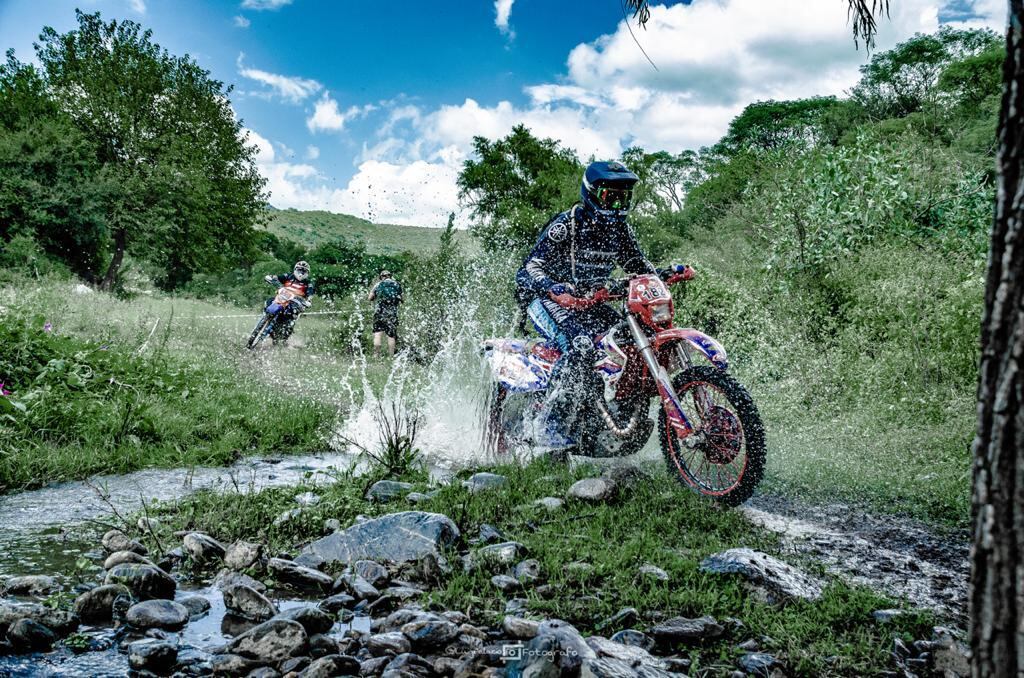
x=299 y=282
x=387 y=292
x=576 y=252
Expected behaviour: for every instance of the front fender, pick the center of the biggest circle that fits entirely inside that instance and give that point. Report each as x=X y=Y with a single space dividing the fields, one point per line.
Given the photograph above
x=707 y=346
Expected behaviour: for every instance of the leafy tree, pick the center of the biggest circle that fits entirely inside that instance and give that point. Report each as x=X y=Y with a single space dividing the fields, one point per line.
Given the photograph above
x=165 y=135
x=767 y=125
x=515 y=184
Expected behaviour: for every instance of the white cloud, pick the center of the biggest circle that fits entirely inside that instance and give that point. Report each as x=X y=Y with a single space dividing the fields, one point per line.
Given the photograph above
x=290 y=88
x=328 y=117
x=502 y=12
x=242 y=22
x=138 y=6
x=265 y=4
x=312 y=152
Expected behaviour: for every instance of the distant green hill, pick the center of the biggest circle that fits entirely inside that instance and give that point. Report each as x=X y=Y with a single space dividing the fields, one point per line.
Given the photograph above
x=314 y=227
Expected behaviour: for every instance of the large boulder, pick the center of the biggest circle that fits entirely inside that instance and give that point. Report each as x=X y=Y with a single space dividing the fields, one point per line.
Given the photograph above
x=27 y=635
x=152 y=655
x=396 y=538
x=242 y=554
x=116 y=540
x=31 y=584
x=96 y=606
x=158 y=614
x=299 y=576
x=60 y=621
x=314 y=620
x=781 y=581
x=146 y=582
x=119 y=557
x=202 y=547
x=248 y=603
x=271 y=642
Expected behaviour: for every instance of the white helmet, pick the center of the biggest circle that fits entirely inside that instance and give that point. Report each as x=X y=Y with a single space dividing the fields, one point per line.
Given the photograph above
x=301 y=271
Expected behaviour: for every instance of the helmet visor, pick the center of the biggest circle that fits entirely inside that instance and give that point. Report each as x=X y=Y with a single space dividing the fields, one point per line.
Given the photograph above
x=608 y=198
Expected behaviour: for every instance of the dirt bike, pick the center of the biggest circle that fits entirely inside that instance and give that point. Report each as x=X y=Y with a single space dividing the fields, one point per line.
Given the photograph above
x=710 y=432
x=279 y=315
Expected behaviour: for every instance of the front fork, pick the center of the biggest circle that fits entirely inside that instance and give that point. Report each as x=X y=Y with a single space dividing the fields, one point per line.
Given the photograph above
x=669 y=398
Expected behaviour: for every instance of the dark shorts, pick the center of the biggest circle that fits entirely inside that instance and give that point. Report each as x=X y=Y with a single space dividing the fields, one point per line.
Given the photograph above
x=386 y=320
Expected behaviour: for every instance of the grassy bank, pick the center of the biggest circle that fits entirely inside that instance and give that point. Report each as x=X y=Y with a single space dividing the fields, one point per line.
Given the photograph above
x=656 y=522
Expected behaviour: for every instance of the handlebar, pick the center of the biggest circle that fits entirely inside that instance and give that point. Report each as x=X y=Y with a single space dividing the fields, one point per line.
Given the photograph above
x=619 y=288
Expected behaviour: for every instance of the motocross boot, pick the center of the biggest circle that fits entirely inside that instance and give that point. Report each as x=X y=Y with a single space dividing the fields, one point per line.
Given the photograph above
x=566 y=397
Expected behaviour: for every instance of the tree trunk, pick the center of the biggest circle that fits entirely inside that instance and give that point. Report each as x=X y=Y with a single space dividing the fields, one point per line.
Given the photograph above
x=120 y=237
x=997 y=570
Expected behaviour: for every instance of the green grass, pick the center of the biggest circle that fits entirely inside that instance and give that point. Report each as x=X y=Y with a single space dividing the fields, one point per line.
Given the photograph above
x=312 y=228
x=657 y=522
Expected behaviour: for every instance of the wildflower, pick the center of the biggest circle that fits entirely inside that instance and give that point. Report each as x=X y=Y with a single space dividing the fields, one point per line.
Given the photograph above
x=48 y=327
x=3 y=390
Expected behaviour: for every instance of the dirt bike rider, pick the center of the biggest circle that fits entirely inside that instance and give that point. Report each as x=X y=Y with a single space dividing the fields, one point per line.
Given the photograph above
x=299 y=282
x=577 y=250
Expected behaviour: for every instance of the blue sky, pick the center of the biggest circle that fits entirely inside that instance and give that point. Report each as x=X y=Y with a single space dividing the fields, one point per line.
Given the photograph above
x=371 y=112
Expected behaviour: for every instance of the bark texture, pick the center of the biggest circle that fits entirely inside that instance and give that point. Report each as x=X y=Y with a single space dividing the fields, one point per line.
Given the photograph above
x=997 y=573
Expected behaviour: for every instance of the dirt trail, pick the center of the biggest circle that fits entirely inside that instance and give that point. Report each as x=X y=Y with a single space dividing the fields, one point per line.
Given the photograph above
x=896 y=555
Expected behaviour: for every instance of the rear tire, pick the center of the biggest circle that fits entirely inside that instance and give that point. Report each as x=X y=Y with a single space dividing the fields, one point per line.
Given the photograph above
x=741 y=407
x=257 y=333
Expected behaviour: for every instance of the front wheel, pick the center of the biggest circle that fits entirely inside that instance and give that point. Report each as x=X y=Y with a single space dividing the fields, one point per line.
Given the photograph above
x=724 y=457
x=258 y=332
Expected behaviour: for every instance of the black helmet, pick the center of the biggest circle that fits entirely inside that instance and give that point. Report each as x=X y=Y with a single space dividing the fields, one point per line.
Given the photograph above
x=606 y=191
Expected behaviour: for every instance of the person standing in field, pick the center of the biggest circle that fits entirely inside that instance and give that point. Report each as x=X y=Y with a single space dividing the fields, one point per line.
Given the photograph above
x=388 y=295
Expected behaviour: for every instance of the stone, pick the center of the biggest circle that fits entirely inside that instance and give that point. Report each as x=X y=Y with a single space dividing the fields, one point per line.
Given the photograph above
x=593 y=490
x=653 y=573
x=494 y=556
x=950 y=656
x=781 y=580
x=430 y=634
x=197 y=606
x=118 y=557
x=527 y=571
x=146 y=582
x=298 y=576
x=550 y=504
x=321 y=645
x=515 y=605
x=31 y=584
x=391 y=644
x=489 y=534
x=604 y=667
x=394 y=538
x=505 y=583
x=417 y=497
x=374 y=666
x=314 y=620
x=233 y=665
x=481 y=482
x=202 y=548
x=630 y=654
x=95 y=606
x=757 y=663
x=681 y=629
x=27 y=635
x=159 y=614
x=332 y=525
x=242 y=555
x=294 y=665
x=634 y=638
x=517 y=627
x=336 y=603
x=358 y=587
x=307 y=499
x=272 y=641
x=625 y=617
x=372 y=571
x=263 y=672
x=152 y=655
x=384 y=491
x=116 y=540
x=332 y=665
x=408 y=664
x=227 y=578
x=248 y=603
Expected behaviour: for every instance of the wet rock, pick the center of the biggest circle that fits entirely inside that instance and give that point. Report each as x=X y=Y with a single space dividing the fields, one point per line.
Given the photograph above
x=494 y=556
x=314 y=620
x=119 y=557
x=676 y=665
x=408 y=664
x=527 y=571
x=116 y=540
x=358 y=587
x=298 y=576
x=517 y=627
x=146 y=582
x=197 y=606
x=32 y=584
x=653 y=573
x=757 y=663
x=202 y=548
x=604 y=667
x=430 y=634
x=242 y=554
x=384 y=491
x=336 y=603
x=594 y=490
x=27 y=635
x=403 y=616
x=271 y=642
x=372 y=571
x=781 y=580
x=332 y=665
x=489 y=534
x=558 y=649
x=95 y=606
x=480 y=482
x=402 y=593
x=550 y=504
x=248 y=603
x=625 y=617
x=397 y=538
x=632 y=655
x=681 y=629
x=307 y=499
x=374 y=667
x=446 y=666
x=634 y=638
x=505 y=583
x=321 y=645
x=227 y=578
x=158 y=614
x=391 y=644
x=263 y=672
x=295 y=665
x=154 y=656
x=233 y=665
